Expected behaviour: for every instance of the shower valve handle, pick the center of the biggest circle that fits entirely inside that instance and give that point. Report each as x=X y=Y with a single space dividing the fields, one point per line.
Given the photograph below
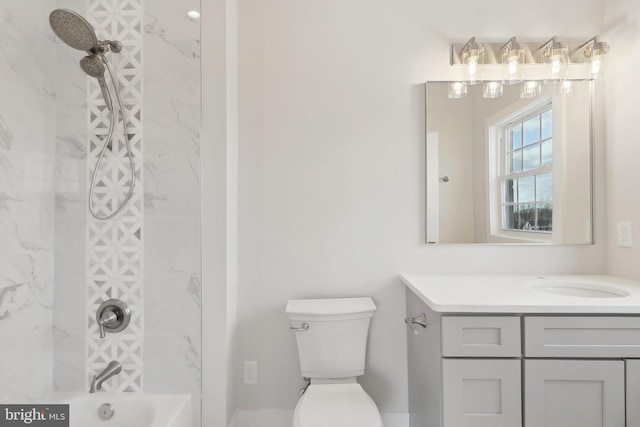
x=112 y=316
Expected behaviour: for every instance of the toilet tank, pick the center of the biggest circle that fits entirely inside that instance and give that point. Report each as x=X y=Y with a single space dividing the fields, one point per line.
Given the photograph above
x=335 y=343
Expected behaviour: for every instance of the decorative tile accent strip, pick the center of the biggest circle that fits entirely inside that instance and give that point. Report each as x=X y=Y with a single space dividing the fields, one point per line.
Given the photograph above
x=115 y=247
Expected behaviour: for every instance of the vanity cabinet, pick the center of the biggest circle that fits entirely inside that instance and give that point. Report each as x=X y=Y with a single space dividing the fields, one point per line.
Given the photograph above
x=523 y=369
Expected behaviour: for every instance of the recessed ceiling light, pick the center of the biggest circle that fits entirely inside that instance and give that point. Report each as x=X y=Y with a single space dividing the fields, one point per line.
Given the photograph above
x=194 y=14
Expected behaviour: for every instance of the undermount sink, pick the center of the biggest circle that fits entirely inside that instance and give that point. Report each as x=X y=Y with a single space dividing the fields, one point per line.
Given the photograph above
x=579 y=289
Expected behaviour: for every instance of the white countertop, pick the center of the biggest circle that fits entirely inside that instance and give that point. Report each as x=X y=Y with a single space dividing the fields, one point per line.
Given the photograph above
x=522 y=293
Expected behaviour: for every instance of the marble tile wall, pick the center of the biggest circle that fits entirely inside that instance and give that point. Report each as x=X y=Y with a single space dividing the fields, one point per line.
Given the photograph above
x=70 y=294
x=27 y=199
x=115 y=246
x=43 y=193
x=172 y=361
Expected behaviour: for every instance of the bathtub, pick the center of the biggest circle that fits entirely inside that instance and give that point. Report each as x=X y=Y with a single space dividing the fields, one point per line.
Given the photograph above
x=129 y=409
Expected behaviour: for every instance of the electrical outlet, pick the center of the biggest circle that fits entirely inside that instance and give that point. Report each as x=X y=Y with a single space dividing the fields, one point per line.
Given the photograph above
x=250 y=372
x=625 y=234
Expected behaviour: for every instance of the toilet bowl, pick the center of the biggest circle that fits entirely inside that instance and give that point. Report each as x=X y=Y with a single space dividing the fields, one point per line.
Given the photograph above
x=332 y=338
x=336 y=405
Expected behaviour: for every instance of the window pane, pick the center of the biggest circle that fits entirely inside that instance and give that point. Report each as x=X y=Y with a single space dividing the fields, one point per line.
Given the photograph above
x=510 y=217
x=544 y=188
x=547 y=125
x=547 y=153
x=527 y=218
x=516 y=137
x=531 y=157
x=526 y=191
x=545 y=217
x=531 y=130
x=511 y=191
x=515 y=161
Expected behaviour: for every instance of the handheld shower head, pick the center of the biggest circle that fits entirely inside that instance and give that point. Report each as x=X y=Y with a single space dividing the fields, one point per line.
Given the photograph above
x=94 y=66
x=73 y=29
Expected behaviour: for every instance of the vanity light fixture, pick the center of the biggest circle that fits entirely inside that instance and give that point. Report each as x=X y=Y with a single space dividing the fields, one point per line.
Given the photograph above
x=556 y=59
x=512 y=56
x=511 y=62
x=457 y=90
x=593 y=51
x=531 y=89
x=492 y=90
x=472 y=55
x=566 y=88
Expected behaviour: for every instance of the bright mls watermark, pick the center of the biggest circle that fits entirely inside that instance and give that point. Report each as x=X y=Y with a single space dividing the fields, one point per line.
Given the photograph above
x=34 y=415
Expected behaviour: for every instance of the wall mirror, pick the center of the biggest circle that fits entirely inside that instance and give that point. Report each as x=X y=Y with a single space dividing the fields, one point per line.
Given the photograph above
x=510 y=169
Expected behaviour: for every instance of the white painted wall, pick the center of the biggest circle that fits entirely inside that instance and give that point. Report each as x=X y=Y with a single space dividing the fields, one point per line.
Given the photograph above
x=452 y=119
x=219 y=196
x=622 y=23
x=331 y=170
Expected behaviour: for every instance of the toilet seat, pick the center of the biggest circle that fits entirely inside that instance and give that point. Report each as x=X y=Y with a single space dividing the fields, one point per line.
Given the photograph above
x=336 y=405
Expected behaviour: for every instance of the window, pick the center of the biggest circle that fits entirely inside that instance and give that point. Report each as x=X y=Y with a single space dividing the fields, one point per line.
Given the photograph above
x=526 y=176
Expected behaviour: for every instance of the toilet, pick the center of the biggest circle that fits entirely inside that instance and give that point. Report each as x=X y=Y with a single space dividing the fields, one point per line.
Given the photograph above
x=332 y=342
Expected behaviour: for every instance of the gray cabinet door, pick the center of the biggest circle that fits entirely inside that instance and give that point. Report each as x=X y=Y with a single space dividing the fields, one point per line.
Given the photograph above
x=633 y=392
x=481 y=393
x=574 y=393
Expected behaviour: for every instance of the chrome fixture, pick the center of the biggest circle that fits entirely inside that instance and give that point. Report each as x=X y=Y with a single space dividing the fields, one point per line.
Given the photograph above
x=592 y=52
x=555 y=56
x=113 y=368
x=112 y=316
x=472 y=58
x=512 y=55
x=420 y=320
x=78 y=33
x=303 y=328
x=514 y=62
x=444 y=178
x=106 y=411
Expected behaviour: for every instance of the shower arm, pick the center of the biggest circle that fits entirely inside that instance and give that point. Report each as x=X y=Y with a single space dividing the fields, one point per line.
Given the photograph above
x=105 y=46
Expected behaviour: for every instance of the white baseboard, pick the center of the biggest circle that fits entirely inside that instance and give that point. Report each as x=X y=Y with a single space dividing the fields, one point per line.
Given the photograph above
x=283 y=417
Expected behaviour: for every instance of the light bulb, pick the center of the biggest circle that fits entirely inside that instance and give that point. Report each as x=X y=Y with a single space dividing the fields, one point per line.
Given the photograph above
x=594 y=54
x=557 y=59
x=566 y=88
x=513 y=58
x=457 y=90
x=530 y=89
x=492 y=90
x=193 y=14
x=473 y=61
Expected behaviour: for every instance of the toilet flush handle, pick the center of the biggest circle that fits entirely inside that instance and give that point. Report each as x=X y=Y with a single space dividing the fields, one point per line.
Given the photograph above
x=303 y=328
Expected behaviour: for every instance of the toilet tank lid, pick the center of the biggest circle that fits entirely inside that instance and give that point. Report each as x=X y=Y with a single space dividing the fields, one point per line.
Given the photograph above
x=331 y=307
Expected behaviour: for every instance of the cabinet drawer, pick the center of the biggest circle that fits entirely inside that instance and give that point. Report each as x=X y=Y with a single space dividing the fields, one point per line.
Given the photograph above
x=486 y=336
x=582 y=337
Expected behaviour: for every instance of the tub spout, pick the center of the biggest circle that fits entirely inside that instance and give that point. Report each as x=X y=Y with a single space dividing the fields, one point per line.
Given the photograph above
x=113 y=368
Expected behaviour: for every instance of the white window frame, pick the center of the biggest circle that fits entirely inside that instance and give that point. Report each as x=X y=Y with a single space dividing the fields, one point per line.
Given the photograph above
x=496 y=138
